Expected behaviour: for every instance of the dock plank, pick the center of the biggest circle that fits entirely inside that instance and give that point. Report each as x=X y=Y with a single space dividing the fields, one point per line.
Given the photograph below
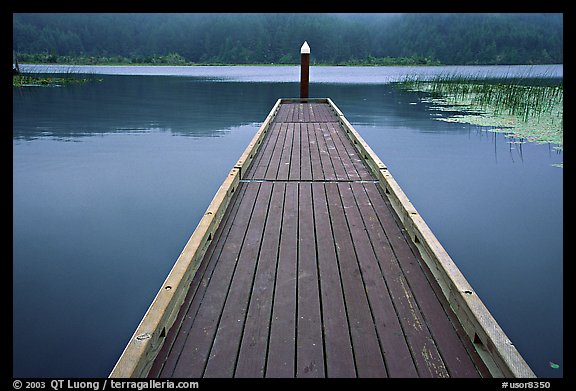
x=165 y=363
x=309 y=348
x=315 y=157
x=367 y=354
x=328 y=168
x=343 y=155
x=310 y=274
x=443 y=330
x=286 y=155
x=354 y=155
x=282 y=341
x=340 y=170
x=262 y=160
x=305 y=154
x=228 y=336
x=252 y=357
x=337 y=341
x=392 y=334
x=195 y=351
x=295 y=164
x=276 y=156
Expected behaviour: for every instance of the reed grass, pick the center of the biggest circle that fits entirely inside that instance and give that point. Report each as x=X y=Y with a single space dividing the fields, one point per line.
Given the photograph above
x=531 y=108
x=41 y=77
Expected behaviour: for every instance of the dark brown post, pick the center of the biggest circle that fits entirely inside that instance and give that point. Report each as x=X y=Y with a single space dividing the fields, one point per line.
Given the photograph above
x=304 y=69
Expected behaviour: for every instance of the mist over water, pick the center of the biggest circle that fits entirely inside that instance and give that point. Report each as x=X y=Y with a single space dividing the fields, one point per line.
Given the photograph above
x=318 y=74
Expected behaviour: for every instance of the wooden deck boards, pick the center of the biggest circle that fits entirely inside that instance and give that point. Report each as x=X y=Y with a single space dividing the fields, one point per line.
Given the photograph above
x=311 y=275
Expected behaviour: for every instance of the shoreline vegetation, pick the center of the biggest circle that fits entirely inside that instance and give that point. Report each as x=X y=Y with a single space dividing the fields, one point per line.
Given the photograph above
x=175 y=59
x=29 y=80
x=23 y=79
x=39 y=79
x=524 y=109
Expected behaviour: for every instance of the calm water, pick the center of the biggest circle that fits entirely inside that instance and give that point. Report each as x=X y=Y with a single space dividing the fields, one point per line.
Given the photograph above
x=110 y=179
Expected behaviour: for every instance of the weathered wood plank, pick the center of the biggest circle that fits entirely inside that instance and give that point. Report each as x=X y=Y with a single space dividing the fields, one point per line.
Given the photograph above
x=168 y=356
x=295 y=164
x=305 y=154
x=322 y=113
x=244 y=163
x=274 y=164
x=309 y=348
x=282 y=343
x=355 y=156
x=367 y=354
x=344 y=154
x=334 y=152
x=337 y=343
x=309 y=113
x=392 y=336
x=423 y=352
x=409 y=273
x=289 y=112
x=315 y=160
x=325 y=159
x=293 y=116
x=262 y=161
x=282 y=115
x=285 y=157
x=226 y=344
x=317 y=113
x=197 y=347
x=301 y=113
x=252 y=357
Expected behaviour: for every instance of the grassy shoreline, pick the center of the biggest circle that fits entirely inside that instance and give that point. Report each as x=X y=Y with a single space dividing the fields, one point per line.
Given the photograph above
x=174 y=59
x=524 y=109
x=228 y=64
x=35 y=79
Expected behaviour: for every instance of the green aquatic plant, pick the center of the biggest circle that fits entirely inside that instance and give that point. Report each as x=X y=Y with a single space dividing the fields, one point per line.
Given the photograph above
x=531 y=109
x=47 y=79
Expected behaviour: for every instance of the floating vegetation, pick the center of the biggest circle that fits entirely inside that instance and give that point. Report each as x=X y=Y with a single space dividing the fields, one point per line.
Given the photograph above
x=526 y=109
x=36 y=81
x=46 y=79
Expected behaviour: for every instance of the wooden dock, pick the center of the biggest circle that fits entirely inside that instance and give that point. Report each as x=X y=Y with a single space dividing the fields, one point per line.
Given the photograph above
x=312 y=262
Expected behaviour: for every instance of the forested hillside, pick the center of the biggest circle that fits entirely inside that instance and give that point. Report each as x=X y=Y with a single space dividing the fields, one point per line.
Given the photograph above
x=276 y=38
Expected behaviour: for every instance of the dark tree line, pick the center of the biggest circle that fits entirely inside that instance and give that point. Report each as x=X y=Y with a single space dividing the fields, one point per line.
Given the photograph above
x=276 y=38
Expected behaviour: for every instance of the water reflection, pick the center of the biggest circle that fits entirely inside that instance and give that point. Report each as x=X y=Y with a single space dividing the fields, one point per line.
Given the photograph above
x=98 y=223
x=318 y=74
x=187 y=107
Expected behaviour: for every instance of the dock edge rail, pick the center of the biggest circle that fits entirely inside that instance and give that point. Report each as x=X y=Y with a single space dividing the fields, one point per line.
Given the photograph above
x=494 y=347
x=142 y=348
x=490 y=341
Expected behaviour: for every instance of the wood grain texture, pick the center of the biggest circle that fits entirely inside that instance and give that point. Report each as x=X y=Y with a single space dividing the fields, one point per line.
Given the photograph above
x=317 y=265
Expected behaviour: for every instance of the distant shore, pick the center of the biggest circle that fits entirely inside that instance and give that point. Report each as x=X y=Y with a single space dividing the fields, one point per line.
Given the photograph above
x=258 y=64
x=177 y=60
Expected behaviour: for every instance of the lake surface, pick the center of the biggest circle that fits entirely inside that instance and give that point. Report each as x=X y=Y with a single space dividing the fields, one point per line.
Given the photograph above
x=110 y=179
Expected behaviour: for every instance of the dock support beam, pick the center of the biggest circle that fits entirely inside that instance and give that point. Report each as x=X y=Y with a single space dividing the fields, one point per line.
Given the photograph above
x=304 y=69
